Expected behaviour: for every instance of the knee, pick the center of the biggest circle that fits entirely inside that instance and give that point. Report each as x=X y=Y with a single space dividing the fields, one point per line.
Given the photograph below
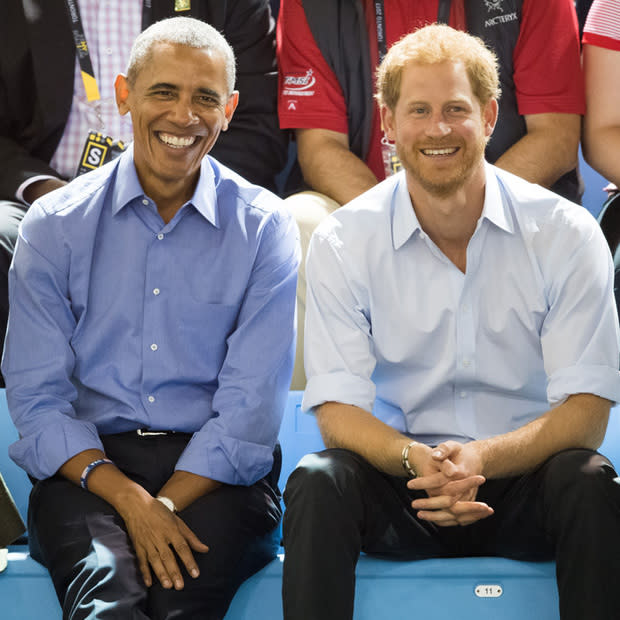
x=329 y=475
x=581 y=478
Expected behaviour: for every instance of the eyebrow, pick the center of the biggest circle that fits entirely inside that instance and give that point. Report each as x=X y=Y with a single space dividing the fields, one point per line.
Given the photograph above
x=174 y=87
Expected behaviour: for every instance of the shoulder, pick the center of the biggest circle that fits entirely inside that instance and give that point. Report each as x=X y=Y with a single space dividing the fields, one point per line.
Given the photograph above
x=365 y=220
x=236 y=195
x=71 y=201
x=544 y=217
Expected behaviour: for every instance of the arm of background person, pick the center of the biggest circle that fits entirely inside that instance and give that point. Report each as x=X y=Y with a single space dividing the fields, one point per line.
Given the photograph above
x=547 y=151
x=329 y=167
x=601 y=128
x=254 y=145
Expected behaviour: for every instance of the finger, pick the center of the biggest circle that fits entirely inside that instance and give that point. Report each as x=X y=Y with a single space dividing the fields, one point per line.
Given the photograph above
x=464 y=485
x=449 y=469
x=192 y=540
x=461 y=512
x=144 y=567
x=171 y=567
x=463 y=509
x=445 y=450
x=157 y=566
x=185 y=554
x=424 y=483
x=438 y=517
x=438 y=502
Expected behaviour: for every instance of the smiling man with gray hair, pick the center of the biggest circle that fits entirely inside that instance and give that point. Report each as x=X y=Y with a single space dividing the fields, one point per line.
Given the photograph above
x=149 y=353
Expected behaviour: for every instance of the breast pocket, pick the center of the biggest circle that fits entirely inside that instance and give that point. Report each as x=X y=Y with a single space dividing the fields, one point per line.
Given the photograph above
x=203 y=335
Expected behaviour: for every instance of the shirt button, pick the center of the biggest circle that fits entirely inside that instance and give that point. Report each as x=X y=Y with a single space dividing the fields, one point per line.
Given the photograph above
x=156 y=291
x=466 y=308
x=145 y=202
x=463 y=394
x=160 y=236
x=153 y=347
x=108 y=51
x=151 y=399
x=466 y=363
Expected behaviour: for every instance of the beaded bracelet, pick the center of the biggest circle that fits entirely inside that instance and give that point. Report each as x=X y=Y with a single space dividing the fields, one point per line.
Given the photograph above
x=88 y=470
x=409 y=470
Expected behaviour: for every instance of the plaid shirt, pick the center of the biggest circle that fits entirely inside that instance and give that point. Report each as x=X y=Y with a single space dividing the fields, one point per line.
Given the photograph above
x=110 y=27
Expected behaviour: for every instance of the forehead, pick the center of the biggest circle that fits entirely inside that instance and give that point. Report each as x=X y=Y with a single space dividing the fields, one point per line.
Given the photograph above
x=446 y=80
x=183 y=66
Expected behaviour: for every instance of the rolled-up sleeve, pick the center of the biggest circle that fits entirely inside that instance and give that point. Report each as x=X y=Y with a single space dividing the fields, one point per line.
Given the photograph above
x=338 y=351
x=580 y=334
x=236 y=445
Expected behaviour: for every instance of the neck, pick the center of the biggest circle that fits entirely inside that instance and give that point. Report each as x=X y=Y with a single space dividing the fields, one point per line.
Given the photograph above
x=168 y=197
x=450 y=221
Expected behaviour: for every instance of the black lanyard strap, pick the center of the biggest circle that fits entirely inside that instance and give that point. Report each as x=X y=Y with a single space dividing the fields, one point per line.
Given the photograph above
x=443 y=12
x=81 y=46
x=83 y=54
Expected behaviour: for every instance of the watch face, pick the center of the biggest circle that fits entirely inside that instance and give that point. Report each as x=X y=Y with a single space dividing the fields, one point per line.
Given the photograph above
x=168 y=503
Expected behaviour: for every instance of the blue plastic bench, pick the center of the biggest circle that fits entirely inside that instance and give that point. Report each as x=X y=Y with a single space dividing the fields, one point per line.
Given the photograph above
x=470 y=587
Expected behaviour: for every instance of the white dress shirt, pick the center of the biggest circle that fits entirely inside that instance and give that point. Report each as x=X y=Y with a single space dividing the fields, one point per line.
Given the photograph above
x=393 y=325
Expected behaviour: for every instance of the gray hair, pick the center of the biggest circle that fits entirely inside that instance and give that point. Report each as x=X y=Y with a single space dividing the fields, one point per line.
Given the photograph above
x=180 y=31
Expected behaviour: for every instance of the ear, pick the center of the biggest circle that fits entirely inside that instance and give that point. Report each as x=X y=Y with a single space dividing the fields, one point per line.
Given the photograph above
x=387 y=122
x=121 y=88
x=489 y=114
x=230 y=107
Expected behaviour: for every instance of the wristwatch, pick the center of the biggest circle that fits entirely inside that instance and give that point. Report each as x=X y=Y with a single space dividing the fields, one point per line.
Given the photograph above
x=167 y=502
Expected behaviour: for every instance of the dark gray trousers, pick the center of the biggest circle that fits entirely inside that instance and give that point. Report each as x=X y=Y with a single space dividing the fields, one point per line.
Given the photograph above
x=337 y=505
x=83 y=542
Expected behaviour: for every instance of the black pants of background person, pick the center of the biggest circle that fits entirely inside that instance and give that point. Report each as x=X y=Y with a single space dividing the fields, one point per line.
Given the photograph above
x=569 y=509
x=84 y=544
x=11 y=214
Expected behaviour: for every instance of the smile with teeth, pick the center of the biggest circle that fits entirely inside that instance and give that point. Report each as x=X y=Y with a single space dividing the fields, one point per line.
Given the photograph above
x=444 y=151
x=176 y=142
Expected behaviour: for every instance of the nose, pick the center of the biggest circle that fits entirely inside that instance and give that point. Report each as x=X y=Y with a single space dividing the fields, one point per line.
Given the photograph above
x=437 y=126
x=183 y=113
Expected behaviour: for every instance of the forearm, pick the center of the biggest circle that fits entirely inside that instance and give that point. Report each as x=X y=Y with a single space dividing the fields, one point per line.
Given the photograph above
x=601 y=149
x=601 y=124
x=352 y=428
x=329 y=167
x=580 y=422
x=547 y=151
x=106 y=481
x=184 y=488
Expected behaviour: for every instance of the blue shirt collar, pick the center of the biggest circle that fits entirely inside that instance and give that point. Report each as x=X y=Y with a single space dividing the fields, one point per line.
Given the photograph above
x=127 y=188
x=405 y=221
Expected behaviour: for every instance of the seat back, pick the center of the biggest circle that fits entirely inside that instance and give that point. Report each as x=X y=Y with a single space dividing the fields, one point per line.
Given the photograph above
x=15 y=477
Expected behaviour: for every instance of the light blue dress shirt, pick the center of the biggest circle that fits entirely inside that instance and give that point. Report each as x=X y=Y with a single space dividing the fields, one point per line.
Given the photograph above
x=119 y=321
x=393 y=325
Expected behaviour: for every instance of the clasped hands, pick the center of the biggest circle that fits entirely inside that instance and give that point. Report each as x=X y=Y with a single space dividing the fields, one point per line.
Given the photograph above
x=451 y=475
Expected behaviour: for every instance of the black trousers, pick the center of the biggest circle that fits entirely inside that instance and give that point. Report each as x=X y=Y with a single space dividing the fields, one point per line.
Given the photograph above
x=84 y=544
x=337 y=505
x=11 y=215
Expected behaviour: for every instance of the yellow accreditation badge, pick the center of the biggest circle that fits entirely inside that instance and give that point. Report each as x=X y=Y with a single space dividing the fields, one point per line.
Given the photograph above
x=182 y=5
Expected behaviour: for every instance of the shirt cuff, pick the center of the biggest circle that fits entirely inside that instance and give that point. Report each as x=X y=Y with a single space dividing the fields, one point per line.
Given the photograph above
x=228 y=460
x=43 y=453
x=339 y=387
x=602 y=381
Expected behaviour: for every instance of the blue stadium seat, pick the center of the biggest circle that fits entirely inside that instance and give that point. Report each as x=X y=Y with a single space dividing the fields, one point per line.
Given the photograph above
x=469 y=587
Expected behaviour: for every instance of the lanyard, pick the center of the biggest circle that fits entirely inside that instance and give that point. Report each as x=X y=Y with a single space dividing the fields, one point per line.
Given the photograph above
x=443 y=17
x=81 y=46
